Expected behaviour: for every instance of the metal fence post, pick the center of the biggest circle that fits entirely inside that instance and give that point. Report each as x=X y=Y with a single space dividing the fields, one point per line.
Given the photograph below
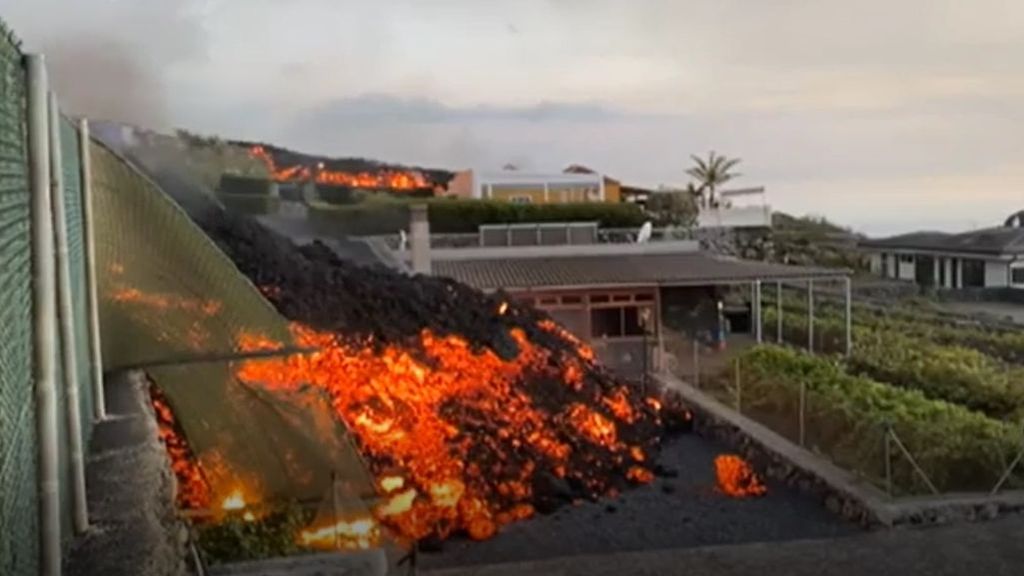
x=887 y=449
x=65 y=314
x=696 y=363
x=849 y=315
x=810 y=316
x=44 y=315
x=778 y=312
x=92 y=299
x=759 y=328
x=739 y=388
x=803 y=410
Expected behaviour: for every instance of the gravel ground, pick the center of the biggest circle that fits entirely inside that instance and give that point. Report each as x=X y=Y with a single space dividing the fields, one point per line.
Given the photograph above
x=992 y=549
x=691 y=514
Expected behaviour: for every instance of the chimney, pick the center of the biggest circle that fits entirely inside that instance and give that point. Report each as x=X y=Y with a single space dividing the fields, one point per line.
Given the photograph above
x=419 y=233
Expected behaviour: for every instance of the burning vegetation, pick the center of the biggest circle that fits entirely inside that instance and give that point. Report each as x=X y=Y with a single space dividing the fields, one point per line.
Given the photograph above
x=381 y=179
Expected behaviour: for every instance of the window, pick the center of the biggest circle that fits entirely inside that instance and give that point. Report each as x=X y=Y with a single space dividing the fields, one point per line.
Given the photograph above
x=644 y=297
x=572 y=299
x=1017 y=275
x=906 y=258
x=973 y=274
x=606 y=322
x=598 y=298
x=520 y=199
x=622 y=298
x=620 y=321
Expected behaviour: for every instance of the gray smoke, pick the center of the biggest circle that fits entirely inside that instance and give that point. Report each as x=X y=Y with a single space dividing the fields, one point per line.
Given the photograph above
x=100 y=78
x=109 y=59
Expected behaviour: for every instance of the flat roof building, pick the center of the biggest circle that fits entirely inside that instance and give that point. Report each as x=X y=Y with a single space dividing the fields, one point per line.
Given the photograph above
x=987 y=258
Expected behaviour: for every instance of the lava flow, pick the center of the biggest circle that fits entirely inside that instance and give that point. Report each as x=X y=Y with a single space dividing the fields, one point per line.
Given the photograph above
x=384 y=179
x=461 y=440
x=736 y=478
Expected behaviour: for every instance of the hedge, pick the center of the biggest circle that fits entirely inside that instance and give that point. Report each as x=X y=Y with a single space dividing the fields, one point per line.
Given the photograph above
x=450 y=216
x=245 y=185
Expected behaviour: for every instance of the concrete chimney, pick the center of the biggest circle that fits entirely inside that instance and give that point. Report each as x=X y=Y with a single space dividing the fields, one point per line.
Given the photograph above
x=419 y=233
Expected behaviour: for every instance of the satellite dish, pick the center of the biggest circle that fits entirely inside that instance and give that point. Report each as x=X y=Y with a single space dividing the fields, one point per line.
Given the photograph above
x=644 y=235
x=403 y=240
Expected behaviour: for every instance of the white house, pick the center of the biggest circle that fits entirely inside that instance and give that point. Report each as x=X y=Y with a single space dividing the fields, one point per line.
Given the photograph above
x=987 y=258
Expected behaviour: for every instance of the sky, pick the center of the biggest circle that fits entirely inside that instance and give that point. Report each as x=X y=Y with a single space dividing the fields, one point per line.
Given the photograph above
x=884 y=116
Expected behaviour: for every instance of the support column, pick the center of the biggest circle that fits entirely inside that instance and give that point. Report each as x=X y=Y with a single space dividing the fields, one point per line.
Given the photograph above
x=65 y=311
x=99 y=403
x=44 y=316
x=758 y=327
x=849 y=314
x=419 y=232
x=778 y=312
x=810 y=315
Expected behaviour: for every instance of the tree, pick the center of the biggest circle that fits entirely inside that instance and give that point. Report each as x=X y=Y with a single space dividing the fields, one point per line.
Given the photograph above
x=673 y=208
x=712 y=173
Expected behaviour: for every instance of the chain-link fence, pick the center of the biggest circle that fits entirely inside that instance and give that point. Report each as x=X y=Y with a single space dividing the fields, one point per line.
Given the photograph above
x=18 y=495
x=20 y=294
x=897 y=439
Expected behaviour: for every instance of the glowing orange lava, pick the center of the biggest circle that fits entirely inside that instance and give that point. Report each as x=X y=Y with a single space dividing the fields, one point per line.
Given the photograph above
x=449 y=431
x=382 y=179
x=736 y=478
x=193 y=491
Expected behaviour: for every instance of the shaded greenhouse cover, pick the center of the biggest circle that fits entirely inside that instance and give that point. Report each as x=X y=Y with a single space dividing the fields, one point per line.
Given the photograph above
x=168 y=294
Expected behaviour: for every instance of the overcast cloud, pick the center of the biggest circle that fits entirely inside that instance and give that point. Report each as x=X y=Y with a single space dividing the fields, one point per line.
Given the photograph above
x=882 y=115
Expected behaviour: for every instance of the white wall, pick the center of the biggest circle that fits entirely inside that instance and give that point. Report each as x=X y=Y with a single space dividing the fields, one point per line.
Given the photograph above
x=735 y=217
x=876 y=263
x=906 y=269
x=997 y=274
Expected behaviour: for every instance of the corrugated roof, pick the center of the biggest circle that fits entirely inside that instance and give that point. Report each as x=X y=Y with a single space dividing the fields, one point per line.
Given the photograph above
x=692 y=268
x=999 y=240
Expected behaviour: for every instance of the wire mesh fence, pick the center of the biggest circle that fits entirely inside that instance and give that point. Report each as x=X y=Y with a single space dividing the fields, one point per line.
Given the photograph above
x=174 y=304
x=18 y=496
x=895 y=439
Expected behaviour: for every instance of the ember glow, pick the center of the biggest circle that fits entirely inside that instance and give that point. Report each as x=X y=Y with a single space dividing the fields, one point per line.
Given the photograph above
x=454 y=435
x=382 y=180
x=356 y=534
x=736 y=478
x=193 y=491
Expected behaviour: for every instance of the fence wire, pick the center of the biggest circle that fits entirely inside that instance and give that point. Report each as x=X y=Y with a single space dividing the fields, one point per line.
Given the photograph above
x=18 y=500
x=168 y=295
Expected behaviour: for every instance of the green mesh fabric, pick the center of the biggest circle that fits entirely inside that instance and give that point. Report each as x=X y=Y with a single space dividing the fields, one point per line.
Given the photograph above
x=76 y=258
x=18 y=492
x=168 y=294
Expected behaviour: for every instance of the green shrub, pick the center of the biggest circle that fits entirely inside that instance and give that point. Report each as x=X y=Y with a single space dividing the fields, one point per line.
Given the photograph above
x=466 y=216
x=235 y=539
x=952 y=373
x=245 y=185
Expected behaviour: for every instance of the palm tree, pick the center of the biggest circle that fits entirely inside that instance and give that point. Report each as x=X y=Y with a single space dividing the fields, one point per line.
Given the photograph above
x=713 y=172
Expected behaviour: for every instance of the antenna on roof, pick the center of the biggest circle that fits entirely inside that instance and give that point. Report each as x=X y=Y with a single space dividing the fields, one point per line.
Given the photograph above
x=644 y=235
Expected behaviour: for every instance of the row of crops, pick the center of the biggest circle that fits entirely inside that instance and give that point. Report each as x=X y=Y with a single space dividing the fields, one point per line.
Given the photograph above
x=952 y=392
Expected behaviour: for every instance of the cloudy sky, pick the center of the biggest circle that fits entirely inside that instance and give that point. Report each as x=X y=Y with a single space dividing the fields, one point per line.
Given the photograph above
x=883 y=115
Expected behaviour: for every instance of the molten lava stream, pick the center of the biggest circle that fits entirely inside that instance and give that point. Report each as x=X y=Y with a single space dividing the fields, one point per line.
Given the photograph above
x=736 y=478
x=461 y=440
